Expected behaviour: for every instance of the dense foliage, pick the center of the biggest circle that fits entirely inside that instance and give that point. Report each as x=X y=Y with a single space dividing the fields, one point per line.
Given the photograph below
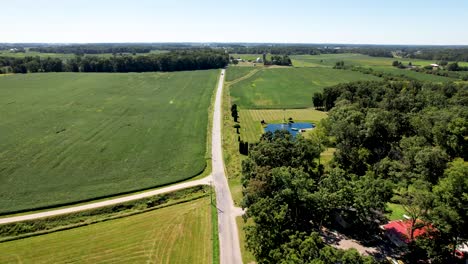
x=288 y=198
x=415 y=136
x=172 y=61
x=397 y=141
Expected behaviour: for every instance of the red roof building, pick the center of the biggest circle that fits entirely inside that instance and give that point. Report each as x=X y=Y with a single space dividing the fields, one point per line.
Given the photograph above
x=399 y=231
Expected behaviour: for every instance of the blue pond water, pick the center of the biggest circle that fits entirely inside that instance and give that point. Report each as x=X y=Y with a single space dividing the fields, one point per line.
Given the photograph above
x=293 y=128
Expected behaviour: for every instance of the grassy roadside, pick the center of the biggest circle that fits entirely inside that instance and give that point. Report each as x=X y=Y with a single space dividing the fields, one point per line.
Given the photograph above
x=173 y=234
x=214 y=228
x=47 y=225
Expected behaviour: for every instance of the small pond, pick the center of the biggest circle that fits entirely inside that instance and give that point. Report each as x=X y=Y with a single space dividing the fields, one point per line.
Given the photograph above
x=293 y=128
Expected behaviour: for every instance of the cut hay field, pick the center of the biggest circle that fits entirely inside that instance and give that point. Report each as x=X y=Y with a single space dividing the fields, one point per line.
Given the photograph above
x=288 y=87
x=68 y=137
x=176 y=234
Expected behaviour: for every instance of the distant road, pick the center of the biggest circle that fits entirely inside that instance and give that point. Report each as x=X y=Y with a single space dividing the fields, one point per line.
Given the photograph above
x=205 y=181
x=228 y=233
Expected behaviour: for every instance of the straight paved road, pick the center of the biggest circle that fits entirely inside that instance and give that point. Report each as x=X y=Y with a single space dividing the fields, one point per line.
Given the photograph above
x=228 y=233
x=205 y=181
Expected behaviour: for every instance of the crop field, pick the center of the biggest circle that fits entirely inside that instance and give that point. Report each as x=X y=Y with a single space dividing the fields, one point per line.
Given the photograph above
x=236 y=72
x=329 y=60
x=251 y=128
x=68 y=137
x=288 y=87
x=175 y=234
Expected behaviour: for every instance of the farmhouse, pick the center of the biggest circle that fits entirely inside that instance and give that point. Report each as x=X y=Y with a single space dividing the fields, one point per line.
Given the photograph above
x=259 y=60
x=399 y=232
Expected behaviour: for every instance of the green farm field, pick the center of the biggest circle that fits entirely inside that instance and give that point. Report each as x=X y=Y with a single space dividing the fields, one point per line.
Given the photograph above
x=288 y=87
x=68 y=137
x=179 y=233
x=329 y=60
x=236 y=72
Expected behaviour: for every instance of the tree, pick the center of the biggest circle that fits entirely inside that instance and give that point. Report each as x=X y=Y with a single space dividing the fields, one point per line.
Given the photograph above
x=453 y=66
x=237 y=126
x=234 y=112
x=395 y=63
x=451 y=199
x=317 y=100
x=416 y=200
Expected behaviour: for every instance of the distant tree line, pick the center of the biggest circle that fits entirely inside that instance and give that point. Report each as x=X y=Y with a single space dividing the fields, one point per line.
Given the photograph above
x=437 y=54
x=312 y=50
x=92 y=49
x=172 y=61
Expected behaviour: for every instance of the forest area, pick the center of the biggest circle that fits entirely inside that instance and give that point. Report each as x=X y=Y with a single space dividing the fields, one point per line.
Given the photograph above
x=403 y=142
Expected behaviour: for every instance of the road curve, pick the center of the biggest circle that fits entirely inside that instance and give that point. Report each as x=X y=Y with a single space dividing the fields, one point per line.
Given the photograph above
x=228 y=234
x=204 y=181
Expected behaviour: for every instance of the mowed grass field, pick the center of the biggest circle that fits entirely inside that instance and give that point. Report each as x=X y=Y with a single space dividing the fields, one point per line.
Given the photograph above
x=175 y=234
x=251 y=128
x=67 y=137
x=236 y=72
x=288 y=87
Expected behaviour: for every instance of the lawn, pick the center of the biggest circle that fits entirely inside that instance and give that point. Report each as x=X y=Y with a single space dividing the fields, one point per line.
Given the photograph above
x=251 y=128
x=288 y=87
x=68 y=137
x=175 y=234
x=396 y=211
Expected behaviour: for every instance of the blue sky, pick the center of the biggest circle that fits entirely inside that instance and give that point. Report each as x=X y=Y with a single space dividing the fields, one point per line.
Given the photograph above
x=291 y=21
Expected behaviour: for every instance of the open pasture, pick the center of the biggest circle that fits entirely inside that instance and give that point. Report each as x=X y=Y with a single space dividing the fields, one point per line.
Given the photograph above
x=288 y=87
x=176 y=234
x=68 y=137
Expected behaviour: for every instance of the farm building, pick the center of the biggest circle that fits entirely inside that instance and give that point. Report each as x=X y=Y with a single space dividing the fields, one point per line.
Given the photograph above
x=399 y=232
x=259 y=60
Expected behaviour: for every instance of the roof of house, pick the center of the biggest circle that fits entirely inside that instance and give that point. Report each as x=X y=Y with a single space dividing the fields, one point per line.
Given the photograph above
x=403 y=229
x=434 y=65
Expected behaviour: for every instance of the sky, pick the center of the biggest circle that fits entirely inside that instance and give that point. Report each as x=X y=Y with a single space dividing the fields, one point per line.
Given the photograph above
x=427 y=22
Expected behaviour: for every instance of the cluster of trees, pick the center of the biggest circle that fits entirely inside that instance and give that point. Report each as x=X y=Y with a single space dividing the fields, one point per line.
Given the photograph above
x=437 y=53
x=441 y=72
x=288 y=198
x=455 y=67
x=92 y=49
x=278 y=60
x=172 y=61
x=396 y=141
x=412 y=136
